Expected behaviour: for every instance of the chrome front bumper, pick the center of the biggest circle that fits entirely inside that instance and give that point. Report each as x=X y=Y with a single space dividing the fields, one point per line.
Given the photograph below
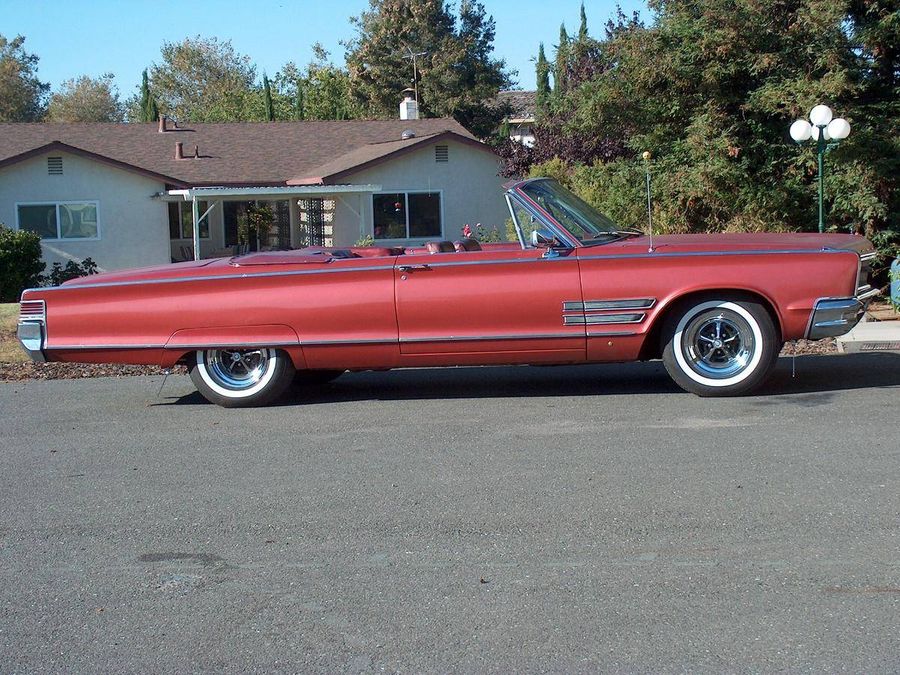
x=834 y=316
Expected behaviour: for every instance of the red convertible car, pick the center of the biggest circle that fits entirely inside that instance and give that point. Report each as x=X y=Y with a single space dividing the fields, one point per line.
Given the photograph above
x=575 y=288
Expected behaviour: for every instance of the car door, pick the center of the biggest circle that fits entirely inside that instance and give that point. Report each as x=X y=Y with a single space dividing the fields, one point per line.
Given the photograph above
x=498 y=305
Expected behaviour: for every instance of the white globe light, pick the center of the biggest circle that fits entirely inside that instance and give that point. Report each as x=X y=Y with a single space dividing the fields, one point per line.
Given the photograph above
x=820 y=115
x=825 y=134
x=801 y=131
x=815 y=133
x=839 y=128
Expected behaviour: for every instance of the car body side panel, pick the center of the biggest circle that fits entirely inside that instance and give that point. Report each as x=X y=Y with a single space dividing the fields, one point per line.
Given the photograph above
x=494 y=306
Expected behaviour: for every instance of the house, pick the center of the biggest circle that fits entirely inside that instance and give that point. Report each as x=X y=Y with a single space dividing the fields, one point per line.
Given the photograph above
x=128 y=195
x=522 y=106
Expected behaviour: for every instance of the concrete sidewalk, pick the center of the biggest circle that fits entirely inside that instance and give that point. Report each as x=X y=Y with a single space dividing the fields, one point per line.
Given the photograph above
x=871 y=336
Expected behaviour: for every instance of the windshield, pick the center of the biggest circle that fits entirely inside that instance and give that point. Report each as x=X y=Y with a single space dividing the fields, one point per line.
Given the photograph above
x=579 y=218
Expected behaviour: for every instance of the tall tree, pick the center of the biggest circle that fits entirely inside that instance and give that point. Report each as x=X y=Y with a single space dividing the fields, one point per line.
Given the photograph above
x=204 y=80
x=23 y=96
x=561 y=64
x=149 y=111
x=86 y=100
x=452 y=58
x=542 y=96
x=267 y=97
x=583 y=29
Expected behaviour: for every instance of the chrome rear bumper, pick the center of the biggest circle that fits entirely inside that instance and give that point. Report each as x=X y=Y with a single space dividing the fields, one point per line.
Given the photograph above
x=31 y=337
x=834 y=316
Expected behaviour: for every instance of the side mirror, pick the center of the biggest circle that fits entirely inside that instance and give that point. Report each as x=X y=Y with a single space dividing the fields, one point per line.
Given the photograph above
x=541 y=237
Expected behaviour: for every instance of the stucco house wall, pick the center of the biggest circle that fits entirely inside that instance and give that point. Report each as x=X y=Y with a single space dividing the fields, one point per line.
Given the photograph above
x=133 y=227
x=471 y=191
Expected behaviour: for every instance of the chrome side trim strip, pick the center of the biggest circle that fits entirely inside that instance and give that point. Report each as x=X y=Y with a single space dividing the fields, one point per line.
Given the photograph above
x=602 y=305
x=480 y=338
x=637 y=303
x=328 y=343
x=619 y=333
x=698 y=254
x=596 y=319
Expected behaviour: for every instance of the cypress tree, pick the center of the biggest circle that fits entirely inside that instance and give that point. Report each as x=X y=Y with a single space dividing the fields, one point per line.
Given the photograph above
x=562 y=62
x=543 y=81
x=267 y=93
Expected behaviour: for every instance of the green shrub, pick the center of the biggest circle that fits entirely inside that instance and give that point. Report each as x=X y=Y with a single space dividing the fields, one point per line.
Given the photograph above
x=20 y=262
x=59 y=274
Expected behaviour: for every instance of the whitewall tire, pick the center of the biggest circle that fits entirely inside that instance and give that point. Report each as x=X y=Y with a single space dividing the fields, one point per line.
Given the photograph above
x=720 y=346
x=241 y=377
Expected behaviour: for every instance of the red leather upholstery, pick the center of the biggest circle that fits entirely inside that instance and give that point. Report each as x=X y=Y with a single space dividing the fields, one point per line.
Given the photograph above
x=439 y=247
x=467 y=244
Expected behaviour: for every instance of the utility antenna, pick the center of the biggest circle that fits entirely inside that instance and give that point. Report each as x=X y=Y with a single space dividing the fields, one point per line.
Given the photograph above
x=646 y=155
x=410 y=54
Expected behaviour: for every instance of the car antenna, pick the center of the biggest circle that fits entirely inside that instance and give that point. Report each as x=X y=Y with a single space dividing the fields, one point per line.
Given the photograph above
x=646 y=155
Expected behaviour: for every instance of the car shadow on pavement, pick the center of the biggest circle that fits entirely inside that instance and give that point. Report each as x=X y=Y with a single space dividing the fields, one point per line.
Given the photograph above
x=814 y=376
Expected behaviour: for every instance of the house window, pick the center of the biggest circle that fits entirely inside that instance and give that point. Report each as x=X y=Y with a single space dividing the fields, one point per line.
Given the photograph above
x=60 y=220
x=181 y=220
x=407 y=215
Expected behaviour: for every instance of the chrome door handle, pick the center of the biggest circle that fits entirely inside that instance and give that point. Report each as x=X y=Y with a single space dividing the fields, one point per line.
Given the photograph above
x=414 y=268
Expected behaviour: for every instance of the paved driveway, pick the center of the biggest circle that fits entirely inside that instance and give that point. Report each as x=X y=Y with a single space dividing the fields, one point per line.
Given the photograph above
x=511 y=519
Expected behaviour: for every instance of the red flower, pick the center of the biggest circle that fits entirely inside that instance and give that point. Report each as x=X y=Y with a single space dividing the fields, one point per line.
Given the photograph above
x=466 y=230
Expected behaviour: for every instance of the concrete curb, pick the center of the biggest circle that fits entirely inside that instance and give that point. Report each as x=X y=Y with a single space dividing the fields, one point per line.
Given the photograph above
x=871 y=336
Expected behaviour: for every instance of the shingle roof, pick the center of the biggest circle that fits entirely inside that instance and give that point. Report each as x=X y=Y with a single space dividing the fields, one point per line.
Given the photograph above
x=239 y=153
x=522 y=103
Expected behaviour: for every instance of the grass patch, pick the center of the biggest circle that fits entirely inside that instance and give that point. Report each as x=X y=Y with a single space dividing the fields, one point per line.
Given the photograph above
x=10 y=351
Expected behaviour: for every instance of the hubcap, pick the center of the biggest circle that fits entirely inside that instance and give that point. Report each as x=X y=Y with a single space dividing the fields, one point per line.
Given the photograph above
x=719 y=346
x=237 y=369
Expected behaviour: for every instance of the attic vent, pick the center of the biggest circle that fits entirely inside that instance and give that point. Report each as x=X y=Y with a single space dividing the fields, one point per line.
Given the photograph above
x=407 y=134
x=54 y=166
x=441 y=153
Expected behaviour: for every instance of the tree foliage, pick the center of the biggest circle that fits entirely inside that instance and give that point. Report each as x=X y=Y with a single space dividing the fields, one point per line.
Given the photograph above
x=86 y=100
x=456 y=72
x=23 y=97
x=710 y=88
x=321 y=91
x=205 y=80
x=148 y=110
x=542 y=72
x=20 y=262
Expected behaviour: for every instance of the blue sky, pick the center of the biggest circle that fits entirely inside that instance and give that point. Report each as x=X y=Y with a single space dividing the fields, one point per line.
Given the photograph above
x=92 y=37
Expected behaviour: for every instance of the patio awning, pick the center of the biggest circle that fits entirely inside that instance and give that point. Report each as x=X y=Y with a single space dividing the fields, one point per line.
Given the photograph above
x=264 y=192
x=218 y=194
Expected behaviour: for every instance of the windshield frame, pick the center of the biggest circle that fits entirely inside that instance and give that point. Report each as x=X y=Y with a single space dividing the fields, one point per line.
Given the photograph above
x=586 y=217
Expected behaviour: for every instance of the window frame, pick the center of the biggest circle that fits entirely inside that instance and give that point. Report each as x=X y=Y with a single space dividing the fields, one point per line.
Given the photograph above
x=181 y=223
x=66 y=202
x=406 y=194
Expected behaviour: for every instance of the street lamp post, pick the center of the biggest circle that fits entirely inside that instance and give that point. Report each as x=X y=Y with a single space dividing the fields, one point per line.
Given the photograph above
x=822 y=129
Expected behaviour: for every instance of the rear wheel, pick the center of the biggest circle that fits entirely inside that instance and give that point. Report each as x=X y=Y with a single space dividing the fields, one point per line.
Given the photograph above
x=720 y=346
x=236 y=377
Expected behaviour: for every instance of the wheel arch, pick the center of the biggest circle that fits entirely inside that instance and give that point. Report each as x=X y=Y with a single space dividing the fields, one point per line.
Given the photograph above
x=653 y=347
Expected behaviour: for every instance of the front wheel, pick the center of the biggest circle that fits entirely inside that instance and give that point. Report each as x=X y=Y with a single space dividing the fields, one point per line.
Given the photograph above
x=240 y=377
x=720 y=346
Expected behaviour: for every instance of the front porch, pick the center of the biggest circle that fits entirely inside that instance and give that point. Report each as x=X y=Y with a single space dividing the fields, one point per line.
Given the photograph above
x=212 y=222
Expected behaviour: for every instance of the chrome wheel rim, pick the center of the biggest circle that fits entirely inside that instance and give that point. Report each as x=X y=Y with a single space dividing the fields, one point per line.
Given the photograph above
x=237 y=369
x=719 y=346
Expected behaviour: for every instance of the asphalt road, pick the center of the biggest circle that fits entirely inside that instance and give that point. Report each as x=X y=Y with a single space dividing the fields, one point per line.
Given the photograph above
x=490 y=520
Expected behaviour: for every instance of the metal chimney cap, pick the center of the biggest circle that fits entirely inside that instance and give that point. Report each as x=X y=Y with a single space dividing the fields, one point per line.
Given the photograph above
x=407 y=134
